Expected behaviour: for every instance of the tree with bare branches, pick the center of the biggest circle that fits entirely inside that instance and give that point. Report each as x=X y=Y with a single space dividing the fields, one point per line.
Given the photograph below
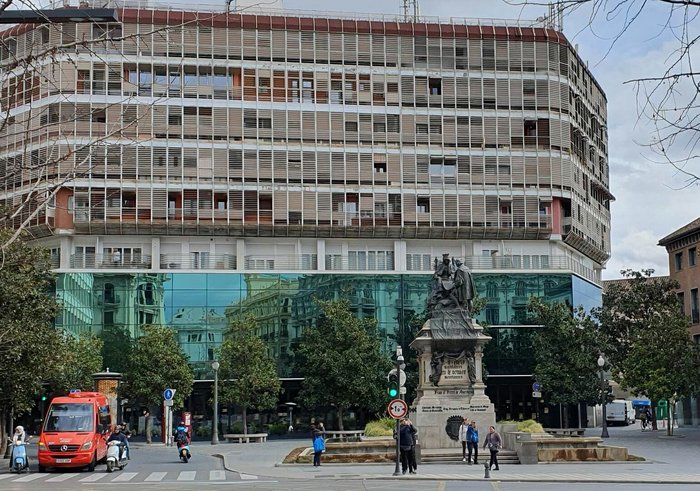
x=670 y=99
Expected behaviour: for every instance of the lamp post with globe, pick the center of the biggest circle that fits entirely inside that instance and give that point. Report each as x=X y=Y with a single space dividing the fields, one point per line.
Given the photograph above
x=604 y=398
x=215 y=427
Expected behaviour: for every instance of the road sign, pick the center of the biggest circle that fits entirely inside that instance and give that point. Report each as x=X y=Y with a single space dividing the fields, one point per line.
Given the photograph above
x=402 y=390
x=398 y=409
x=536 y=394
x=168 y=394
x=536 y=387
x=168 y=403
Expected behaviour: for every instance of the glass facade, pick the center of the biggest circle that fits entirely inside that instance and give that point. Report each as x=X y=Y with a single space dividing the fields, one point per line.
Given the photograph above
x=200 y=306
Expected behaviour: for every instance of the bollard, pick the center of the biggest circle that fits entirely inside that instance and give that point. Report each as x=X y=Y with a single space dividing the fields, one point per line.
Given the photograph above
x=487 y=473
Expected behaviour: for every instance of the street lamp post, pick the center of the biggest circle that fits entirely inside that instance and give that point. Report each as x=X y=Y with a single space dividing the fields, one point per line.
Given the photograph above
x=604 y=398
x=215 y=428
x=290 y=409
x=400 y=365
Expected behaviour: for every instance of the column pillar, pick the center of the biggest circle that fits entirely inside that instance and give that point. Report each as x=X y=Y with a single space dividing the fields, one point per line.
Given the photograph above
x=321 y=254
x=107 y=382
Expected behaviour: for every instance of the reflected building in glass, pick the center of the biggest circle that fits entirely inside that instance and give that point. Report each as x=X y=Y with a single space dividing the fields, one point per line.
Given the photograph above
x=266 y=159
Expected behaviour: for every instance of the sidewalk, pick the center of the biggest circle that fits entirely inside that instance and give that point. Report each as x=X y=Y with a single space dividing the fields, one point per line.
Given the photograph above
x=670 y=461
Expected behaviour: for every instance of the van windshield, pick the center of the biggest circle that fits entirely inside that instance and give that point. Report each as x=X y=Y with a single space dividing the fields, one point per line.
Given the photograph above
x=70 y=417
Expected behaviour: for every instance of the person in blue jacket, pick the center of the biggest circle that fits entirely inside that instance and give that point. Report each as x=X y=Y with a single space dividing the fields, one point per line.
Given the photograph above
x=473 y=442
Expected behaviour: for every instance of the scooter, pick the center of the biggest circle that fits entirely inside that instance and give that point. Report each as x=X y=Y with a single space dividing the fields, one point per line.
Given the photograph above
x=19 y=458
x=183 y=450
x=113 y=460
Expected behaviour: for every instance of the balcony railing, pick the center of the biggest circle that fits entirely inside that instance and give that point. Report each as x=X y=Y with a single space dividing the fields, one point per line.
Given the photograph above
x=109 y=261
x=198 y=260
x=301 y=262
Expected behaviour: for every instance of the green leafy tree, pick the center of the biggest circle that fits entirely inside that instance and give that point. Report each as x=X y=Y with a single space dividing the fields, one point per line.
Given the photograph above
x=341 y=361
x=650 y=352
x=566 y=348
x=116 y=348
x=28 y=340
x=81 y=357
x=157 y=362
x=249 y=374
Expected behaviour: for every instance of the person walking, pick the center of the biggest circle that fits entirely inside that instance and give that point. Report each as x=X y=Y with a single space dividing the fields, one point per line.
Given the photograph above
x=412 y=464
x=473 y=442
x=318 y=438
x=463 y=438
x=493 y=442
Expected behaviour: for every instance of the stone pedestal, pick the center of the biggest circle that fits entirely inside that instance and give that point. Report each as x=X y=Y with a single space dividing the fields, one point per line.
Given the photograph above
x=459 y=391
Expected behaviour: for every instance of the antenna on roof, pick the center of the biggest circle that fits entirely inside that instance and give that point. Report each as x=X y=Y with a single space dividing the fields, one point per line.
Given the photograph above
x=406 y=7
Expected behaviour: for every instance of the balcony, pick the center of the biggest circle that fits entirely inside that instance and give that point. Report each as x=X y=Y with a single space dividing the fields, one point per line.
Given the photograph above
x=198 y=260
x=303 y=262
x=108 y=261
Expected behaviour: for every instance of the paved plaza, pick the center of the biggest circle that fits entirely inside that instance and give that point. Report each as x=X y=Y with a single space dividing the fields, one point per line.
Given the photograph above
x=670 y=461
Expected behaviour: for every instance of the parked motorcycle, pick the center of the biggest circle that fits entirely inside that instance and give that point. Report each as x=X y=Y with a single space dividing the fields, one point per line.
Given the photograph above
x=19 y=458
x=114 y=450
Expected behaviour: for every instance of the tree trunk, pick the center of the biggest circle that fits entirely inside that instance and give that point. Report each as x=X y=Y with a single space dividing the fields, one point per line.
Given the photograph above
x=340 y=418
x=245 y=420
x=9 y=430
x=3 y=432
x=654 y=426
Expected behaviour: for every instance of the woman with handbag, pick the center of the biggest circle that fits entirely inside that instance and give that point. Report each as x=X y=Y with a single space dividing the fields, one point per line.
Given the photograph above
x=493 y=442
x=318 y=436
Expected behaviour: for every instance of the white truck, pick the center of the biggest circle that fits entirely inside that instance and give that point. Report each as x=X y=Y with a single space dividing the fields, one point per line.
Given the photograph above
x=620 y=412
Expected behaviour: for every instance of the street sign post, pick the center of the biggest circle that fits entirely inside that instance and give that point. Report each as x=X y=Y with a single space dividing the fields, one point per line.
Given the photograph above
x=536 y=387
x=536 y=394
x=168 y=394
x=398 y=409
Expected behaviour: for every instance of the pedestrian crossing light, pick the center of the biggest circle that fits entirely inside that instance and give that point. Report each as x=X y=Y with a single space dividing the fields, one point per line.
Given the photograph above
x=43 y=398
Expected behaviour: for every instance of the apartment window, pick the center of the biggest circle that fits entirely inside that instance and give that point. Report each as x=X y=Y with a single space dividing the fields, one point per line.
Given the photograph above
x=694 y=313
x=351 y=126
x=265 y=123
x=423 y=205
x=681 y=301
x=380 y=167
x=250 y=123
x=99 y=115
x=393 y=125
x=418 y=262
x=679 y=261
x=692 y=255
x=435 y=86
x=442 y=167
x=175 y=116
x=422 y=129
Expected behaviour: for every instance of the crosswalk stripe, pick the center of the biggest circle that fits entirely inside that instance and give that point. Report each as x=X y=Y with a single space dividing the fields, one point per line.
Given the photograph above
x=6 y=476
x=93 y=478
x=187 y=476
x=217 y=475
x=248 y=477
x=155 y=476
x=125 y=476
x=61 y=478
x=30 y=477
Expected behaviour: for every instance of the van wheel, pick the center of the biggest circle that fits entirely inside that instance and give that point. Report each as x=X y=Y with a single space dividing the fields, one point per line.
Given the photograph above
x=41 y=468
x=91 y=467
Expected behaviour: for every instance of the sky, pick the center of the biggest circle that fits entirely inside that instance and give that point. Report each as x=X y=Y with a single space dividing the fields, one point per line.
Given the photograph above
x=650 y=198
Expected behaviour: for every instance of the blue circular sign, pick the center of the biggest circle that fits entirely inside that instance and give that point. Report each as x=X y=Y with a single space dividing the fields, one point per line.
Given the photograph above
x=168 y=394
x=536 y=386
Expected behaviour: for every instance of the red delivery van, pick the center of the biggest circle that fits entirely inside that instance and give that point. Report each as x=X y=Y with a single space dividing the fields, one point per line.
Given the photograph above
x=75 y=431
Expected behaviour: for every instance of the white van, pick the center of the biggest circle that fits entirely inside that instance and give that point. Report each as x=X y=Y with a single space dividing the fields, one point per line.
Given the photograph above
x=620 y=412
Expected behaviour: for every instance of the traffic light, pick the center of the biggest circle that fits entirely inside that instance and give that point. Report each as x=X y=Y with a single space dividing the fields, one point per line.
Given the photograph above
x=396 y=381
x=393 y=384
x=43 y=398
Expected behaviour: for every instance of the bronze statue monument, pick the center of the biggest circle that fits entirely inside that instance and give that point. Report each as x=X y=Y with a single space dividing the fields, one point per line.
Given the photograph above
x=450 y=349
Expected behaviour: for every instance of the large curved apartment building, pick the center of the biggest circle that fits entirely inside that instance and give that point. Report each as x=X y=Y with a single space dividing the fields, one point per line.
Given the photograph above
x=200 y=165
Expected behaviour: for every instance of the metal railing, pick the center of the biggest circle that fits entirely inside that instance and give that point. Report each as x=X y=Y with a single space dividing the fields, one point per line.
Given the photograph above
x=260 y=8
x=301 y=262
x=110 y=261
x=198 y=261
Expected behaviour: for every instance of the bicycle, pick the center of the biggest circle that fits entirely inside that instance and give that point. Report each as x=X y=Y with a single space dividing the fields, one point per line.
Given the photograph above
x=646 y=424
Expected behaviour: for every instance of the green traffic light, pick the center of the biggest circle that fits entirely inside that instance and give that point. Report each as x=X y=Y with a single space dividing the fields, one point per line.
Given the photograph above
x=43 y=398
x=392 y=392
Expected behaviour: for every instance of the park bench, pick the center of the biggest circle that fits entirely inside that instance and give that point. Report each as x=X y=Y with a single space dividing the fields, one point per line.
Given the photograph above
x=249 y=438
x=566 y=431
